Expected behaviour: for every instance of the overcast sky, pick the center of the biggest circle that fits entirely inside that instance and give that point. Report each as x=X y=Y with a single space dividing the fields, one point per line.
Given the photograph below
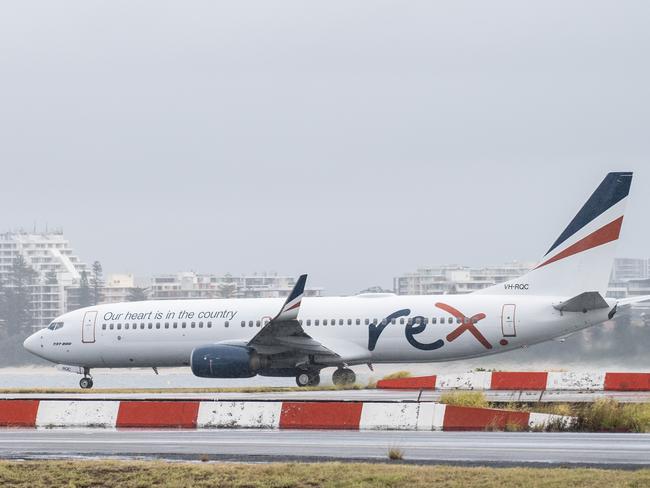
x=353 y=140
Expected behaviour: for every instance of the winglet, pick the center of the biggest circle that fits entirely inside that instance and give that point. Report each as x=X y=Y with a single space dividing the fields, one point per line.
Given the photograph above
x=292 y=305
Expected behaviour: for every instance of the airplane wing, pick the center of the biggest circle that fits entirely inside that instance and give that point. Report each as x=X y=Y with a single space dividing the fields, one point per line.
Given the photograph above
x=284 y=333
x=632 y=300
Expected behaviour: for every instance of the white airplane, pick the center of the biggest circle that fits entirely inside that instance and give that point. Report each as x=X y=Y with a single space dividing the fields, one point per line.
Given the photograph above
x=241 y=338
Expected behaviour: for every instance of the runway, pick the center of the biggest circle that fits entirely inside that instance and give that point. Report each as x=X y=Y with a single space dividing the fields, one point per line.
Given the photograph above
x=346 y=395
x=484 y=448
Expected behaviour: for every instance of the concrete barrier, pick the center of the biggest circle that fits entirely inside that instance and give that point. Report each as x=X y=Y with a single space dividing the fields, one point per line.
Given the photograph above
x=259 y=414
x=524 y=381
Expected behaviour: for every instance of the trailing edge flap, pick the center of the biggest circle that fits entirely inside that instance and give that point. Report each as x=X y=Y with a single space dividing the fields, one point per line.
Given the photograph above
x=285 y=332
x=589 y=300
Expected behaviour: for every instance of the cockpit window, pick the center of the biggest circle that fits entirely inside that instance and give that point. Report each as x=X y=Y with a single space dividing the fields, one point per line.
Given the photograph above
x=55 y=325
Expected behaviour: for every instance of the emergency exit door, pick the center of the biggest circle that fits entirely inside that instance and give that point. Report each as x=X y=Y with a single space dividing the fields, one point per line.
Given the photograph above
x=88 y=328
x=508 y=320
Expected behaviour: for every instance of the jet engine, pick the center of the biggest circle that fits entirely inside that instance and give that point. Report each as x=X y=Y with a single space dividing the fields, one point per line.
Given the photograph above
x=225 y=361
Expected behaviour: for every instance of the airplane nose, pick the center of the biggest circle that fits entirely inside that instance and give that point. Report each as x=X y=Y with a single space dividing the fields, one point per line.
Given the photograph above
x=32 y=343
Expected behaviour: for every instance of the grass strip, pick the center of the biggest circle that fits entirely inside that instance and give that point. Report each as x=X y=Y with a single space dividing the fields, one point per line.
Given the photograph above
x=139 y=474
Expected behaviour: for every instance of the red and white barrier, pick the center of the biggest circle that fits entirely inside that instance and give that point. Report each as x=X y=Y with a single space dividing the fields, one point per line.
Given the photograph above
x=270 y=415
x=506 y=380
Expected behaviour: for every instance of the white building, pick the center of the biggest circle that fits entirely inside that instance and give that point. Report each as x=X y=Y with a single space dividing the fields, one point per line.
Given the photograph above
x=57 y=267
x=440 y=280
x=192 y=285
x=118 y=288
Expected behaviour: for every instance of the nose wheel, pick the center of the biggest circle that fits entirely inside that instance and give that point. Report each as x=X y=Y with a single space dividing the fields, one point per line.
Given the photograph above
x=87 y=381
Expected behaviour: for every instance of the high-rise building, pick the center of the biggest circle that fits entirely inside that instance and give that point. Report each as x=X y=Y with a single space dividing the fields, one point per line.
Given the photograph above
x=55 y=265
x=440 y=280
x=626 y=269
x=192 y=285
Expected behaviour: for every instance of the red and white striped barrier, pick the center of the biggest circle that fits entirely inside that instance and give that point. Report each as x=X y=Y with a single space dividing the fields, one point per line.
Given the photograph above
x=503 y=380
x=263 y=415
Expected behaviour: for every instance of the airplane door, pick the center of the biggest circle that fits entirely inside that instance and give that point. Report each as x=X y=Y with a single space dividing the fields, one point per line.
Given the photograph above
x=88 y=328
x=508 y=320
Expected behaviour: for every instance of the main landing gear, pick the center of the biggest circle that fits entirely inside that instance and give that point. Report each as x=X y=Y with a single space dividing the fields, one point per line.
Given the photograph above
x=87 y=381
x=344 y=376
x=308 y=378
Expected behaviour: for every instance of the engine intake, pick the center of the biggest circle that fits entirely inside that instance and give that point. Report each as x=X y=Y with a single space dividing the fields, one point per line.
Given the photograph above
x=224 y=361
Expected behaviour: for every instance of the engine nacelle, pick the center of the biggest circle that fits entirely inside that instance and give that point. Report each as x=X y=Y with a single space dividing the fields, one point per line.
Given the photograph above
x=225 y=361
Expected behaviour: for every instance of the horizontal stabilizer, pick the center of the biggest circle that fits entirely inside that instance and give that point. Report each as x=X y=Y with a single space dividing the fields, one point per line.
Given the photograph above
x=589 y=300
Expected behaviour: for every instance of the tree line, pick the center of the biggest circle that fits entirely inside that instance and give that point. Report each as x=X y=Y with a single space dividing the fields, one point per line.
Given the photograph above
x=17 y=319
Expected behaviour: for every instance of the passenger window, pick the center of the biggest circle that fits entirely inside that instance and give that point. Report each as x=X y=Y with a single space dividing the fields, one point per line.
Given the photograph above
x=184 y=325
x=367 y=321
x=349 y=321
x=175 y=325
x=308 y=321
x=458 y=321
x=358 y=321
x=103 y=326
x=200 y=325
x=250 y=323
x=401 y=321
x=392 y=321
x=111 y=326
x=243 y=323
x=299 y=321
x=126 y=326
x=166 y=325
x=450 y=320
x=119 y=326
x=209 y=325
x=315 y=321
x=193 y=325
x=433 y=320
x=157 y=325
x=226 y=323
x=258 y=323
x=324 y=321
x=150 y=326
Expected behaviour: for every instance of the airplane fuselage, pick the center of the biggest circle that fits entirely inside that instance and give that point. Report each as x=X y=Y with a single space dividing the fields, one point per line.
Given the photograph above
x=370 y=328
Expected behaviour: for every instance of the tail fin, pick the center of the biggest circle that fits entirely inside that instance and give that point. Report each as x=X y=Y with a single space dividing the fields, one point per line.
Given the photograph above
x=580 y=260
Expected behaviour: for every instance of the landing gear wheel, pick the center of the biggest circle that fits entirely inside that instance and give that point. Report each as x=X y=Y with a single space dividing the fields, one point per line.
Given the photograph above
x=302 y=379
x=308 y=379
x=343 y=376
x=86 y=383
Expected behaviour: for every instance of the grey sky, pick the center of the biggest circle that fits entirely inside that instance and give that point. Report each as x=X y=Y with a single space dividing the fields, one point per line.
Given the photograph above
x=351 y=140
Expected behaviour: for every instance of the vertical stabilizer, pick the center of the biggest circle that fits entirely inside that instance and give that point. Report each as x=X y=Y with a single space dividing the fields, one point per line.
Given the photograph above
x=580 y=260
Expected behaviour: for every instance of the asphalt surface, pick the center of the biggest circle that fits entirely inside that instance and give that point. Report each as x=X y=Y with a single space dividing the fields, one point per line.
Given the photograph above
x=473 y=448
x=349 y=395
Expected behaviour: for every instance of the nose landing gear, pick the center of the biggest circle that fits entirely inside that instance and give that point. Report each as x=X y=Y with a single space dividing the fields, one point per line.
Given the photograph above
x=87 y=381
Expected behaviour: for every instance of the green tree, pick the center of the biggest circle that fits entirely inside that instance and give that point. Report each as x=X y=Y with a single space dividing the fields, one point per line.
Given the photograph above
x=85 y=298
x=97 y=282
x=137 y=295
x=17 y=298
x=51 y=278
x=227 y=290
